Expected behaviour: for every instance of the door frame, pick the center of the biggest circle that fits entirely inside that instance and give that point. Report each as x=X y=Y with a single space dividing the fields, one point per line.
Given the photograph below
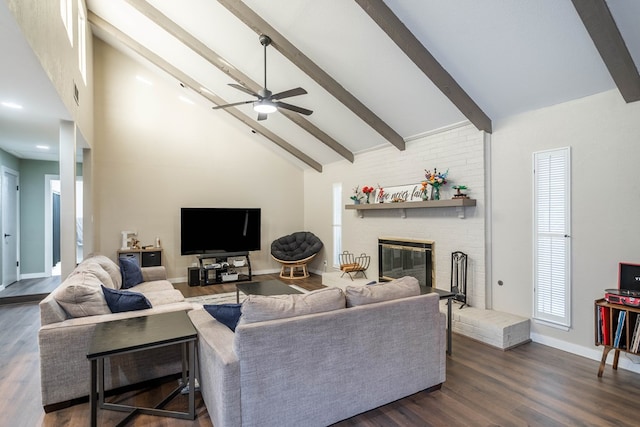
x=48 y=223
x=48 y=220
x=6 y=170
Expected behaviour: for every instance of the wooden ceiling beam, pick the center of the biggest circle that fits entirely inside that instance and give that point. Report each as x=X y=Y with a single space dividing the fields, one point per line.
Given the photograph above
x=380 y=13
x=226 y=67
x=604 y=32
x=288 y=50
x=165 y=66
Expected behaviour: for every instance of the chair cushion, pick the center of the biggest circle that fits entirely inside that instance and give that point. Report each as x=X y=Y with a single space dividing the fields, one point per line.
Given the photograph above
x=296 y=246
x=399 y=288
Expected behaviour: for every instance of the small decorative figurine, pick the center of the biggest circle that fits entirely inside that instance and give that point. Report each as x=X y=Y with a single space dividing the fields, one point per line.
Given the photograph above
x=459 y=194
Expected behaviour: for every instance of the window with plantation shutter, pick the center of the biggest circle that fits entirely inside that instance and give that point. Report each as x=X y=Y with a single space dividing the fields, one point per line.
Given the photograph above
x=337 y=223
x=551 y=203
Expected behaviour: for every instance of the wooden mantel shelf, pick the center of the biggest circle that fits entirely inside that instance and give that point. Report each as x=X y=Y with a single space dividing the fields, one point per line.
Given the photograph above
x=459 y=204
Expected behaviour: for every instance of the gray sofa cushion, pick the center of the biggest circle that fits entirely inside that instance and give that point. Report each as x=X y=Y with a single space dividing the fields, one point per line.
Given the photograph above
x=97 y=270
x=82 y=295
x=161 y=297
x=109 y=266
x=258 y=308
x=399 y=288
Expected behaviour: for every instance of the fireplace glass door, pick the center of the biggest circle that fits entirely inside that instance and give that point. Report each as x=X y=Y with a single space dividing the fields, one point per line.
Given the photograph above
x=398 y=259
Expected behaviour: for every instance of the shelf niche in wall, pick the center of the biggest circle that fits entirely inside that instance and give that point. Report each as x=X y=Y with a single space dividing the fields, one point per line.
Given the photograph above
x=459 y=204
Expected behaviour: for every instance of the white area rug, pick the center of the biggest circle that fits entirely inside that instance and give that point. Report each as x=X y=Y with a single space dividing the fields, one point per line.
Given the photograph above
x=228 y=297
x=341 y=280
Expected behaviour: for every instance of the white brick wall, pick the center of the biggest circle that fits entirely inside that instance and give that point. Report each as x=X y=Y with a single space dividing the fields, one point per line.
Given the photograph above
x=461 y=150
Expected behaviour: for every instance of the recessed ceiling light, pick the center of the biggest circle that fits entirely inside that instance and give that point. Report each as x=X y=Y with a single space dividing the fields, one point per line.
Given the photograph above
x=42 y=147
x=13 y=105
x=143 y=80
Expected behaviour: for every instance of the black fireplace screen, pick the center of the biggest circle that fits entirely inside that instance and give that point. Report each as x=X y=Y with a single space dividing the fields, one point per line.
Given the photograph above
x=398 y=258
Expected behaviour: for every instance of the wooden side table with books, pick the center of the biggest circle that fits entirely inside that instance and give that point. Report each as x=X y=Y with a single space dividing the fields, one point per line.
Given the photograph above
x=617 y=327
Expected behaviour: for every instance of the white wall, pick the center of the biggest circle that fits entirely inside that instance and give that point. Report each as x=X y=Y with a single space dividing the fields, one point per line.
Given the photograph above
x=461 y=150
x=42 y=26
x=604 y=135
x=155 y=154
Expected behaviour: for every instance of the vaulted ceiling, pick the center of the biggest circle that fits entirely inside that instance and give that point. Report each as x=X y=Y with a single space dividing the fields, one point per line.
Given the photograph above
x=379 y=72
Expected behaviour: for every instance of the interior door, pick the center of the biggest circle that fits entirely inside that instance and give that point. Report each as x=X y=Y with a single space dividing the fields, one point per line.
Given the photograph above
x=9 y=227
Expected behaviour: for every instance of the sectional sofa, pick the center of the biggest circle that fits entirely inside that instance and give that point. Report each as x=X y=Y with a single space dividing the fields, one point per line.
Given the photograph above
x=318 y=358
x=69 y=315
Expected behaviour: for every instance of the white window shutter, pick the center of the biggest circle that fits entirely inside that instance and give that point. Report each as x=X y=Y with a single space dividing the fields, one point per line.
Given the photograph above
x=552 y=202
x=337 y=223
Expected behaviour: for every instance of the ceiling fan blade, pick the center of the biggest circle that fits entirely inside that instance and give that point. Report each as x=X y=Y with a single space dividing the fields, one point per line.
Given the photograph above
x=243 y=89
x=262 y=116
x=217 y=107
x=288 y=93
x=293 y=108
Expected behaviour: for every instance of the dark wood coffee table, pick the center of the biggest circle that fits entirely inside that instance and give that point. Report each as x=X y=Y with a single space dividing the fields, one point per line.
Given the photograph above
x=142 y=333
x=268 y=287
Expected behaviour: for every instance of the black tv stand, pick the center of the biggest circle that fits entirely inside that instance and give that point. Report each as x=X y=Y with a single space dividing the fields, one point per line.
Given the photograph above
x=223 y=267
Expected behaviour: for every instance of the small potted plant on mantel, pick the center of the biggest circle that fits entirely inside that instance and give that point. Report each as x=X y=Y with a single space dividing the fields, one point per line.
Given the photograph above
x=357 y=195
x=459 y=194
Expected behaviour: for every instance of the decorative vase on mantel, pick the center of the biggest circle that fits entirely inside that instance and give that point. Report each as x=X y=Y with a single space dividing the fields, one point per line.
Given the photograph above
x=424 y=196
x=436 y=193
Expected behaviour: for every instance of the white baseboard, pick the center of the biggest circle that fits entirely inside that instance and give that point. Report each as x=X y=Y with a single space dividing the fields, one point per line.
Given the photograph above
x=34 y=276
x=626 y=361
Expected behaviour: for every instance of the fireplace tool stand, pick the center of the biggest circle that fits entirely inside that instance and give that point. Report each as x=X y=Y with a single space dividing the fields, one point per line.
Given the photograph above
x=459 y=277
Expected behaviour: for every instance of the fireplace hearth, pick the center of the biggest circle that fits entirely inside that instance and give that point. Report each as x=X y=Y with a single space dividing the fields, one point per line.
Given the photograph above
x=398 y=257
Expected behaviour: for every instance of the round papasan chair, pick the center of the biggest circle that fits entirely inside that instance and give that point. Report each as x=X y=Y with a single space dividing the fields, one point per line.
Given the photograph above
x=294 y=252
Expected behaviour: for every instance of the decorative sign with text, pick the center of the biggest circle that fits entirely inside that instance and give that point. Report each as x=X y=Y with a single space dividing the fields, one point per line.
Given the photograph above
x=401 y=193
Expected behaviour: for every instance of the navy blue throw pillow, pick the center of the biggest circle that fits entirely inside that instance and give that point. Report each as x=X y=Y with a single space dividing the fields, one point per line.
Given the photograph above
x=227 y=314
x=131 y=272
x=120 y=301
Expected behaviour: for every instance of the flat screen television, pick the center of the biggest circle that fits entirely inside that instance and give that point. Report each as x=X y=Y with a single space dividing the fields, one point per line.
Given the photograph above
x=208 y=230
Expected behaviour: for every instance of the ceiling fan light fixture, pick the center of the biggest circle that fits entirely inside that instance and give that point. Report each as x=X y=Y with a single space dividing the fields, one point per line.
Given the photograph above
x=264 y=107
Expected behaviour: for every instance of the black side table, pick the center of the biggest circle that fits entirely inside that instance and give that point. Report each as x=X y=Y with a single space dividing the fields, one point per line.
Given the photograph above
x=443 y=295
x=142 y=333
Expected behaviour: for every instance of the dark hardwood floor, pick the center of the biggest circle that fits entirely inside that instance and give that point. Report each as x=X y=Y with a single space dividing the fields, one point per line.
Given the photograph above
x=531 y=385
x=28 y=290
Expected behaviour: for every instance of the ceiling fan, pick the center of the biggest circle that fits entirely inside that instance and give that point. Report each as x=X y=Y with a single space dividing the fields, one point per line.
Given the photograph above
x=268 y=102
